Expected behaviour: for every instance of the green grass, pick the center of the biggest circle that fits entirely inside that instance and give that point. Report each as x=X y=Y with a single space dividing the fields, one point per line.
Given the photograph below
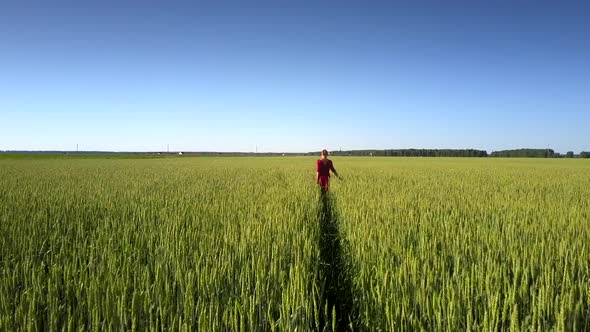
x=457 y=244
x=213 y=244
x=240 y=243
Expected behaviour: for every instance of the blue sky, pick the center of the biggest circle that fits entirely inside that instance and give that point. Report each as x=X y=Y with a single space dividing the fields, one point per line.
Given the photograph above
x=294 y=75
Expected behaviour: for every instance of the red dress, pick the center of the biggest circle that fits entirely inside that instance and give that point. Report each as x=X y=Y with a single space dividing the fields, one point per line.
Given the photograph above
x=324 y=172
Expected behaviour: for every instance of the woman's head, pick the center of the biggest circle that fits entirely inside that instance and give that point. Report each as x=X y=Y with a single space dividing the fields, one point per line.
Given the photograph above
x=324 y=153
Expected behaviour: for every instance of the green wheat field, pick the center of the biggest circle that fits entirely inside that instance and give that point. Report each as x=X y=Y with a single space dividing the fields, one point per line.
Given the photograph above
x=251 y=244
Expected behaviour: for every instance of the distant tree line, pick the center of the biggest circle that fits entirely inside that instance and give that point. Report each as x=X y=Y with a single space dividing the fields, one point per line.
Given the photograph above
x=537 y=153
x=519 y=153
x=411 y=153
x=525 y=153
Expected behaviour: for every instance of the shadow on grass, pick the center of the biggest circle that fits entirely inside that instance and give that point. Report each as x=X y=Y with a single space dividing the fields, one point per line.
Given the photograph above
x=335 y=283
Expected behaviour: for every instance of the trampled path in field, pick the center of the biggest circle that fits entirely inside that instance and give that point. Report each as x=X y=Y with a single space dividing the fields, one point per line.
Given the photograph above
x=335 y=282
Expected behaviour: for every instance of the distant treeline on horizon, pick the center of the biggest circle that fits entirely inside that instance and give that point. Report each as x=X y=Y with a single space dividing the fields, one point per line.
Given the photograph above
x=469 y=153
x=518 y=153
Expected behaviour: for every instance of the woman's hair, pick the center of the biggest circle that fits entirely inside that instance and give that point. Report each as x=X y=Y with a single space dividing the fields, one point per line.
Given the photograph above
x=324 y=152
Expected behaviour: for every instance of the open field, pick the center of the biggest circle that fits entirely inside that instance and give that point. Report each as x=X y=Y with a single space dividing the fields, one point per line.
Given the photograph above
x=250 y=244
x=457 y=244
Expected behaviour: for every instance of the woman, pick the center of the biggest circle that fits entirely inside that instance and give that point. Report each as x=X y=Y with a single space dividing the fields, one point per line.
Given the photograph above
x=324 y=166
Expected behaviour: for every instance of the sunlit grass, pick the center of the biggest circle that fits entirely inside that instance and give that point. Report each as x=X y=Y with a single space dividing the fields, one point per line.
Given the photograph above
x=217 y=244
x=465 y=244
x=208 y=244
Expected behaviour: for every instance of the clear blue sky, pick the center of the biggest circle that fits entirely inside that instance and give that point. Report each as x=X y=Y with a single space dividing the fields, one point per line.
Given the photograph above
x=294 y=75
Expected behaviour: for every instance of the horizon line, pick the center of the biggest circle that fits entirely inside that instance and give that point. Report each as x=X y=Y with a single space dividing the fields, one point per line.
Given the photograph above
x=261 y=152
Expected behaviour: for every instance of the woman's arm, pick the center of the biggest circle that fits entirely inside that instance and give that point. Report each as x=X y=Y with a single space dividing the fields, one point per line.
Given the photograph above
x=333 y=170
